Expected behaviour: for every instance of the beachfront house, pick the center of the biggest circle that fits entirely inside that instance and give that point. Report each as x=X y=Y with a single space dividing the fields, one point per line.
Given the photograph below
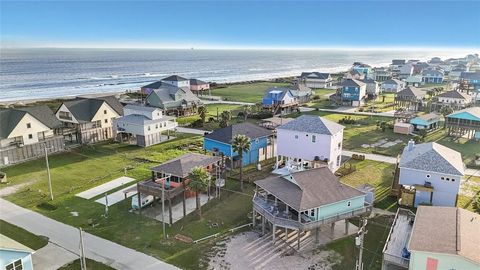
x=413 y=244
x=174 y=97
x=472 y=79
x=89 y=120
x=307 y=140
x=261 y=143
x=362 y=68
x=396 y=65
x=429 y=173
x=415 y=81
x=353 y=92
x=316 y=79
x=302 y=93
x=432 y=76
x=410 y=98
x=14 y=256
x=381 y=74
x=465 y=122
x=392 y=86
x=428 y=122
x=198 y=86
x=455 y=99
x=169 y=182
x=354 y=74
x=405 y=71
x=24 y=133
x=279 y=100
x=143 y=126
x=372 y=87
x=311 y=200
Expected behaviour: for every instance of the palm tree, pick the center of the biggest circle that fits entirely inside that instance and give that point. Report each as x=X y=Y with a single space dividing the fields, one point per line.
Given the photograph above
x=225 y=118
x=199 y=178
x=247 y=110
x=202 y=112
x=241 y=144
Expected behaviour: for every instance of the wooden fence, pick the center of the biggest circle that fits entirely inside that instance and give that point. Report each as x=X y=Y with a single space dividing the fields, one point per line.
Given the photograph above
x=14 y=155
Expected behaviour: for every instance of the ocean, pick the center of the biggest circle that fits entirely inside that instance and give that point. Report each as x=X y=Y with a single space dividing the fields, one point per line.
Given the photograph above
x=52 y=73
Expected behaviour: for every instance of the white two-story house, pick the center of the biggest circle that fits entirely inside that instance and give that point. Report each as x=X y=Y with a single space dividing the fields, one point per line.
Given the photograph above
x=431 y=172
x=88 y=120
x=309 y=139
x=143 y=126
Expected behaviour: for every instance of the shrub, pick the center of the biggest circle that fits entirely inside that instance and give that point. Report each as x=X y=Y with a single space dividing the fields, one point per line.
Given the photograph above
x=197 y=123
x=347 y=120
x=211 y=119
x=47 y=206
x=316 y=97
x=261 y=115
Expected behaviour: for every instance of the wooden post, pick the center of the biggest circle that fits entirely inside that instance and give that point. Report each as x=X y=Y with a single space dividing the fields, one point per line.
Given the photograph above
x=347 y=224
x=298 y=239
x=263 y=225
x=317 y=236
x=332 y=230
x=184 y=203
x=273 y=233
x=170 y=209
x=253 y=218
x=139 y=201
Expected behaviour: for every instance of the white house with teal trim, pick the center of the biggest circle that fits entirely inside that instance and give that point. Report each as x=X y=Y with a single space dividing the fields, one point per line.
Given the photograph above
x=306 y=200
x=464 y=123
x=14 y=256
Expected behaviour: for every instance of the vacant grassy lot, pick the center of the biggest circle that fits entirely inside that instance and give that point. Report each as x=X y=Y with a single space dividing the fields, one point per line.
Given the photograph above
x=376 y=174
x=91 y=265
x=22 y=236
x=248 y=92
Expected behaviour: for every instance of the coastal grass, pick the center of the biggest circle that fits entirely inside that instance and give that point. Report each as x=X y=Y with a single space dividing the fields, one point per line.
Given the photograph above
x=22 y=236
x=377 y=174
x=245 y=92
x=91 y=265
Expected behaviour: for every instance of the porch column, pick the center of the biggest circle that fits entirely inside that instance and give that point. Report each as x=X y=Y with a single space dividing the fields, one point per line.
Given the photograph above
x=317 y=236
x=276 y=162
x=170 y=209
x=332 y=230
x=347 y=224
x=253 y=218
x=276 y=203
x=298 y=239
x=273 y=233
x=263 y=225
x=153 y=176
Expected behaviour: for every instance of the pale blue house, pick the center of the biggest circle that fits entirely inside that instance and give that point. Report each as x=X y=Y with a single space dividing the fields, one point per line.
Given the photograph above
x=306 y=200
x=219 y=142
x=14 y=256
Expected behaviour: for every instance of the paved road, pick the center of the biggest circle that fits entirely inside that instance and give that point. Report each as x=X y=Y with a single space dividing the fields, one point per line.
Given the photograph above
x=191 y=130
x=393 y=160
x=67 y=237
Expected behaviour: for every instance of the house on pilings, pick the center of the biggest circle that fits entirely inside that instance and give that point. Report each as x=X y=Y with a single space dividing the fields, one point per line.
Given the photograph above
x=465 y=122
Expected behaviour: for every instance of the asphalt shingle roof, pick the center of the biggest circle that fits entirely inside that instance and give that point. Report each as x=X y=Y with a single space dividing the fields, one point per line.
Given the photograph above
x=432 y=157
x=309 y=189
x=453 y=94
x=9 y=118
x=352 y=83
x=197 y=82
x=168 y=95
x=250 y=130
x=175 y=78
x=183 y=165
x=84 y=109
x=313 y=124
x=447 y=230
x=315 y=75
x=411 y=91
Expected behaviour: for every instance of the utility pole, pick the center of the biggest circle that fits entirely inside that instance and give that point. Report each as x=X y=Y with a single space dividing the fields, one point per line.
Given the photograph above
x=83 y=263
x=163 y=207
x=359 y=242
x=48 y=172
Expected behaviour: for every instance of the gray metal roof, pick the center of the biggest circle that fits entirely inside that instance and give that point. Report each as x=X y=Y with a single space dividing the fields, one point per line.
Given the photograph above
x=309 y=189
x=250 y=130
x=411 y=91
x=197 y=82
x=175 y=78
x=453 y=94
x=84 y=109
x=183 y=165
x=172 y=96
x=9 y=118
x=432 y=157
x=432 y=72
x=447 y=230
x=315 y=75
x=313 y=124
x=142 y=119
x=392 y=81
x=352 y=83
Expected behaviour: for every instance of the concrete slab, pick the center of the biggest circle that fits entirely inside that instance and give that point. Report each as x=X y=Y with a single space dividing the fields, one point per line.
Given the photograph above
x=177 y=209
x=101 y=189
x=52 y=257
x=117 y=196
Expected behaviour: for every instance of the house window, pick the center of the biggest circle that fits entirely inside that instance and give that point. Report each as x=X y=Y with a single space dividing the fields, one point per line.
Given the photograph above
x=106 y=120
x=312 y=212
x=428 y=176
x=443 y=178
x=453 y=180
x=339 y=145
x=29 y=125
x=30 y=136
x=448 y=179
x=156 y=126
x=338 y=160
x=148 y=128
x=104 y=111
x=314 y=138
x=16 y=265
x=349 y=203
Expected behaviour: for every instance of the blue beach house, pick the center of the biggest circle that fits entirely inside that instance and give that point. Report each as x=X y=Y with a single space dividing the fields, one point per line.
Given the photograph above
x=14 y=255
x=279 y=100
x=261 y=143
x=429 y=122
x=353 y=92
x=432 y=76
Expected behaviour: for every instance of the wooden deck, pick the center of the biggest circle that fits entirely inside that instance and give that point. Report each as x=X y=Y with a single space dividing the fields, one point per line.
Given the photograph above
x=398 y=239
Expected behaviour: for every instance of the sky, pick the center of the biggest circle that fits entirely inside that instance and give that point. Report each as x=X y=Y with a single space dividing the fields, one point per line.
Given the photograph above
x=241 y=24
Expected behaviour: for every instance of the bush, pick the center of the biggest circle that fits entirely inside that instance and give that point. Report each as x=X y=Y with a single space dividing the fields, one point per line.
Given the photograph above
x=211 y=119
x=347 y=120
x=47 y=206
x=316 y=97
x=240 y=115
x=261 y=115
x=197 y=123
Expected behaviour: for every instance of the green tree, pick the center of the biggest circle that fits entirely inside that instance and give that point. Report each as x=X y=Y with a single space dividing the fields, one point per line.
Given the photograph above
x=241 y=145
x=247 y=110
x=202 y=112
x=199 y=178
x=225 y=118
x=383 y=126
x=422 y=133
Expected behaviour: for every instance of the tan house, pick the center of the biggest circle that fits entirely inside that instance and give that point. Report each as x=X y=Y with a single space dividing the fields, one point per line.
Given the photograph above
x=88 y=120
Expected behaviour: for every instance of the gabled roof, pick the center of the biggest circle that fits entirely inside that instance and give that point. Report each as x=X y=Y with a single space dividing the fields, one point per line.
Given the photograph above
x=447 y=230
x=470 y=75
x=398 y=62
x=411 y=91
x=175 y=78
x=432 y=72
x=139 y=107
x=425 y=119
x=392 y=81
x=84 y=109
x=154 y=85
x=167 y=94
x=432 y=157
x=309 y=189
x=197 y=82
x=472 y=113
x=368 y=80
x=183 y=165
x=313 y=124
x=352 y=83
x=454 y=94
x=282 y=91
x=7 y=243
x=315 y=75
x=9 y=118
x=414 y=79
x=250 y=130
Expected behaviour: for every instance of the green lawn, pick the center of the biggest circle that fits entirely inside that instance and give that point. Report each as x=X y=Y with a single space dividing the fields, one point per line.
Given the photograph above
x=380 y=104
x=376 y=174
x=22 y=236
x=247 y=92
x=91 y=265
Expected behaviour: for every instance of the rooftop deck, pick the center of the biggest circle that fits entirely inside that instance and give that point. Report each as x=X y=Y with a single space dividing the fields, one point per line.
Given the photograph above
x=398 y=239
